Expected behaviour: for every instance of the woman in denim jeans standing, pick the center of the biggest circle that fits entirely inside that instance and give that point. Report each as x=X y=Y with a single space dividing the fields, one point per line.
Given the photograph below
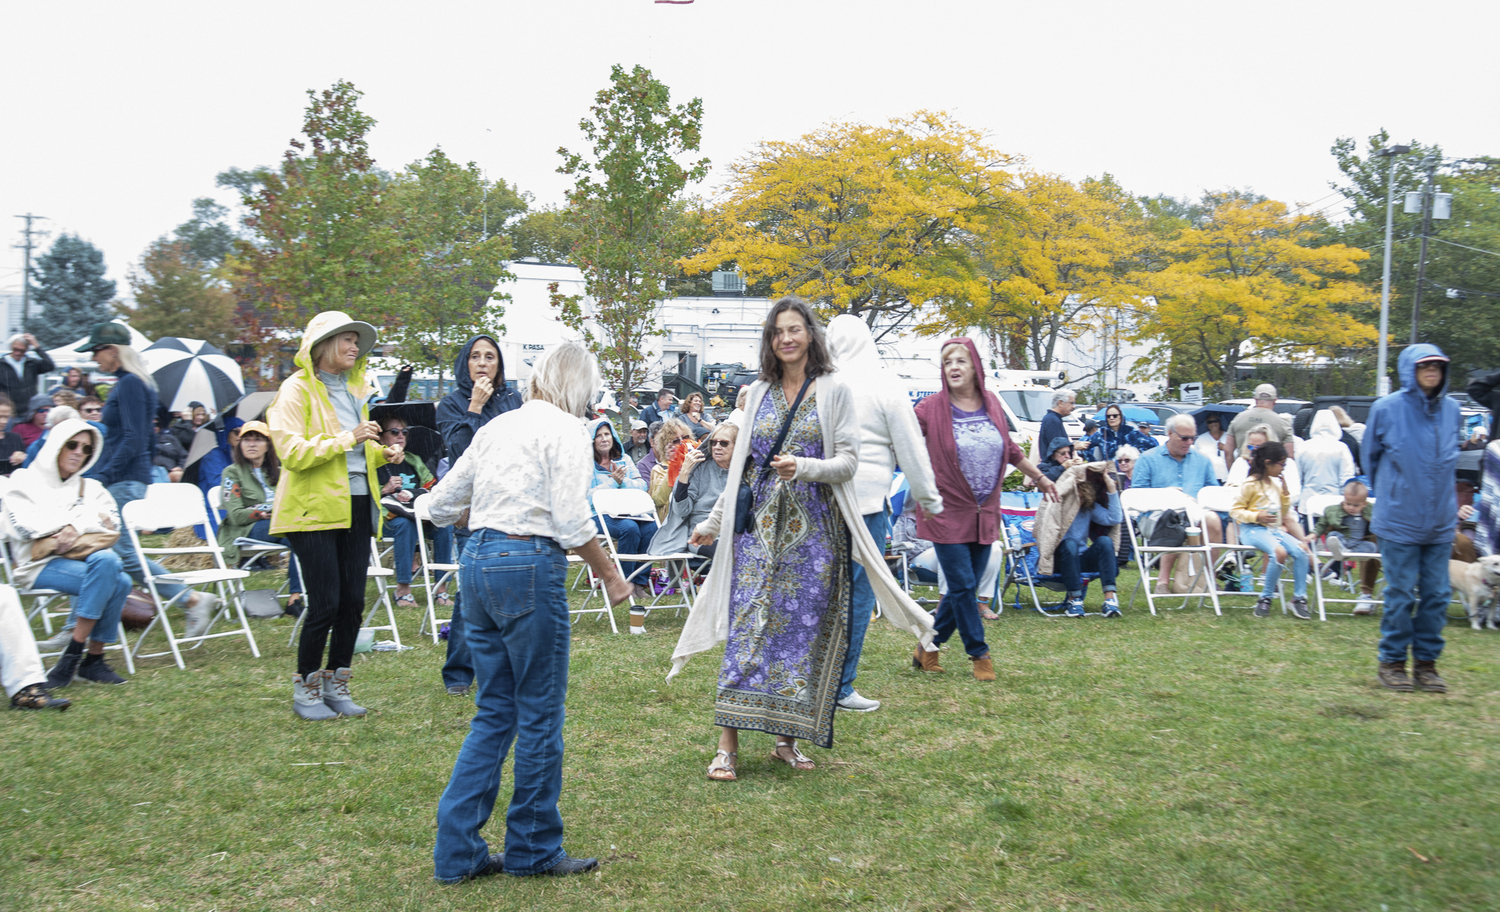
x=524 y=481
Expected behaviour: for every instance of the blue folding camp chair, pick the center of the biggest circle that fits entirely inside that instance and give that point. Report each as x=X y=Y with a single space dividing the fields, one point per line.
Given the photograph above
x=1018 y=510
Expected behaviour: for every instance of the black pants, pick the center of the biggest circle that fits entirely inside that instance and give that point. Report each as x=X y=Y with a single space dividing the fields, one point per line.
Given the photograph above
x=335 y=569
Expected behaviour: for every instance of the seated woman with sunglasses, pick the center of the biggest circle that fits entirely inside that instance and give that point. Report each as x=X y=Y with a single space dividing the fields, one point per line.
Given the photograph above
x=402 y=483
x=49 y=508
x=704 y=475
x=674 y=433
x=247 y=491
x=613 y=469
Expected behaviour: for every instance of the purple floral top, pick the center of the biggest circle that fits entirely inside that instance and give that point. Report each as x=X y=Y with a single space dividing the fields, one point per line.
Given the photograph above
x=980 y=450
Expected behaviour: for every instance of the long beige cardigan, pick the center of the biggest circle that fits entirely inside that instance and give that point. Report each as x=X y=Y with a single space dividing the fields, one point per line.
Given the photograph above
x=708 y=621
x=1054 y=519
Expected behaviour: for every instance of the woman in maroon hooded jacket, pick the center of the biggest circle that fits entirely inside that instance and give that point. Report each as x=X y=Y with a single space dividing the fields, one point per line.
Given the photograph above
x=969 y=442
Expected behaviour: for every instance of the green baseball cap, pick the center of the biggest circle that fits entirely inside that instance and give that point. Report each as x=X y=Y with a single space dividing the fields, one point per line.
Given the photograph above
x=105 y=334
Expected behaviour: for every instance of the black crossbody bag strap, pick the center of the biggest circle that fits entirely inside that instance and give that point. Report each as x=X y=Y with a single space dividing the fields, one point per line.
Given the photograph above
x=785 y=427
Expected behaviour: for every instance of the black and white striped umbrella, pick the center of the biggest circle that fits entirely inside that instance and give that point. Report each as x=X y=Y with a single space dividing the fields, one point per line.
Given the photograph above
x=191 y=370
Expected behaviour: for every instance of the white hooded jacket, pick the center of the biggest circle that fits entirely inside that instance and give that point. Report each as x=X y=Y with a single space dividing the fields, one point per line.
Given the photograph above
x=889 y=434
x=1324 y=462
x=40 y=502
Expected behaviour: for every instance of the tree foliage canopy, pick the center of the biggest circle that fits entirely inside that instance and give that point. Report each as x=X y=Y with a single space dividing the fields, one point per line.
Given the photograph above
x=176 y=296
x=70 y=291
x=1250 y=281
x=863 y=219
x=625 y=213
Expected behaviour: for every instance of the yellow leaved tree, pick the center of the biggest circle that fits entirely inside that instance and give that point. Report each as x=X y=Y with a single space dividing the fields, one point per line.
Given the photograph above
x=860 y=219
x=1247 y=283
x=1058 y=269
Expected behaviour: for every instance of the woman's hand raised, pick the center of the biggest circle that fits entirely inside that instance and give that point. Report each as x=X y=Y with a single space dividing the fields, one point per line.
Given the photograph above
x=367 y=430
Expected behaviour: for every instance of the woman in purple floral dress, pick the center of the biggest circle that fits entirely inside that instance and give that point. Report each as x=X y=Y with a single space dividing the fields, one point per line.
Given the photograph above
x=789 y=592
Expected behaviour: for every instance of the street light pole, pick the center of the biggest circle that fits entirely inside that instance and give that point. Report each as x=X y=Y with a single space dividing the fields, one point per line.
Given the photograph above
x=1382 y=382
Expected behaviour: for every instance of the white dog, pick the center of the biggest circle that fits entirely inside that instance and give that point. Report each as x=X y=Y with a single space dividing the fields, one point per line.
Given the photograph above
x=1477 y=585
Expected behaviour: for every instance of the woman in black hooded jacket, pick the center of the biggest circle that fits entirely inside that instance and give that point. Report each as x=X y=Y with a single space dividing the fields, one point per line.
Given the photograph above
x=479 y=396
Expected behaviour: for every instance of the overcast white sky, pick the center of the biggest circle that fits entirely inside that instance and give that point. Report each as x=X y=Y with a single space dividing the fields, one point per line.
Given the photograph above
x=117 y=115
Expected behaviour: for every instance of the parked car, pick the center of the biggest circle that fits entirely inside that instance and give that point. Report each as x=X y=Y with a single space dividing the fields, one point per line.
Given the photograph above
x=1283 y=406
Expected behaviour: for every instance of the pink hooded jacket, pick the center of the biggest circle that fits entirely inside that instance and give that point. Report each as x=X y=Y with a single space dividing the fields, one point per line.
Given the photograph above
x=963 y=519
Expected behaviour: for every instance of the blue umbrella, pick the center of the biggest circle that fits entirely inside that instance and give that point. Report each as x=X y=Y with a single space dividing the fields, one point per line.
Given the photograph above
x=1225 y=414
x=1132 y=413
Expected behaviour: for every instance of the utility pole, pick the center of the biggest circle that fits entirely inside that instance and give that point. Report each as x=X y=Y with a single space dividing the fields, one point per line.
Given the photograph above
x=1382 y=382
x=29 y=234
x=1432 y=205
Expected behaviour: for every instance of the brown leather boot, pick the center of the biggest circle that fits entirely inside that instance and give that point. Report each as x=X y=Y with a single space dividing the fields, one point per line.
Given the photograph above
x=1393 y=676
x=984 y=669
x=1426 y=674
x=925 y=661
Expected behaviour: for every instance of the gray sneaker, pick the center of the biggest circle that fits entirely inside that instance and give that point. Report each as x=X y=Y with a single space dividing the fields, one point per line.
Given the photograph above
x=57 y=642
x=1299 y=609
x=1262 y=607
x=856 y=703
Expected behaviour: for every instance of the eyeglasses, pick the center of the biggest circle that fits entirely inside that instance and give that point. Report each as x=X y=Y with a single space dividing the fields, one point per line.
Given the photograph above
x=1186 y=438
x=399 y=432
x=91 y=410
x=88 y=448
x=719 y=443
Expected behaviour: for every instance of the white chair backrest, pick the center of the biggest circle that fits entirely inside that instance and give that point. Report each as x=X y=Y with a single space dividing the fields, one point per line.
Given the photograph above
x=1146 y=500
x=214 y=493
x=4 y=486
x=627 y=502
x=419 y=507
x=1318 y=503
x=1217 y=498
x=167 y=506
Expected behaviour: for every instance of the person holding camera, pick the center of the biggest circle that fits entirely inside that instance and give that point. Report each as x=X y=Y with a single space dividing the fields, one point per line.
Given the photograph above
x=247 y=491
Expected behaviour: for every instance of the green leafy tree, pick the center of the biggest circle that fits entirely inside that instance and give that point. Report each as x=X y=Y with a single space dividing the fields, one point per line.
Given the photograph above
x=546 y=235
x=207 y=237
x=176 y=296
x=624 y=206
x=321 y=237
x=442 y=212
x=70 y=291
x=1461 y=298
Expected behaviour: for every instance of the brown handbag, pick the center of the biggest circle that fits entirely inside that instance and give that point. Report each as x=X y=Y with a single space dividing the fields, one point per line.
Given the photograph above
x=82 y=547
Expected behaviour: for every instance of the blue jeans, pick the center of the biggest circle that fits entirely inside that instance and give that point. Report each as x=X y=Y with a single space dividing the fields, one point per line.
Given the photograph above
x=99 y=588
x=1265 y=539
x=458 y=669
x=632 y=536
x=519 y=634
x=124 y=492
x=261 y=531
x=861 y=602
x=404 y=532
x=1407 y=569
x=963 y=565
x=1071 y=563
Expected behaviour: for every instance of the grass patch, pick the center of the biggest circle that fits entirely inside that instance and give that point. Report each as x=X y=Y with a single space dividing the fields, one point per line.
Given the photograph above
x=1181 y=762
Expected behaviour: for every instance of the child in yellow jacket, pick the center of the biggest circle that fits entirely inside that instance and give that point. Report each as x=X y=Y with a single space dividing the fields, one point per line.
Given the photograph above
x=1264 y=511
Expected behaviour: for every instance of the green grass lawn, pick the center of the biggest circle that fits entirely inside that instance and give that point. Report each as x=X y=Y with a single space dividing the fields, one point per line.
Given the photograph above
x=1182 y=762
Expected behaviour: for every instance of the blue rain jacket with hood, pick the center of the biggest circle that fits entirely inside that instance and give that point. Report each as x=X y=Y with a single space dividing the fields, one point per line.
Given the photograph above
x=455 y=422
x=1411 y=452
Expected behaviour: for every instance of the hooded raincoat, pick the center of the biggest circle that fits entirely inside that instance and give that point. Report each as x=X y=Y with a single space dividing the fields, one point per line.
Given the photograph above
x=40 y=502
x=314 y=492
x=455 y=422
x=963 y=518
x=1103 y=444
x=1411 y=452
x=1324 y=463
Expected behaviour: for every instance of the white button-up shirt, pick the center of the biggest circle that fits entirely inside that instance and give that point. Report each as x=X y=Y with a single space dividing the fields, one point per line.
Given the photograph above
x=526 y=473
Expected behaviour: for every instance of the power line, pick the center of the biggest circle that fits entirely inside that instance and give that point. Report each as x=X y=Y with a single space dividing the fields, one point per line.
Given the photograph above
x=1465 y=246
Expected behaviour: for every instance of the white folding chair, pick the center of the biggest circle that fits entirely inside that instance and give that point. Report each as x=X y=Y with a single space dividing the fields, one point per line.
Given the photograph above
x=1219 y=499
x=445 y=572
x=1139 y=501
x=380 y=574
x=1316 y=505
x=172 y=506
x=250 y=553
x=631 y=503
x=585 y=581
